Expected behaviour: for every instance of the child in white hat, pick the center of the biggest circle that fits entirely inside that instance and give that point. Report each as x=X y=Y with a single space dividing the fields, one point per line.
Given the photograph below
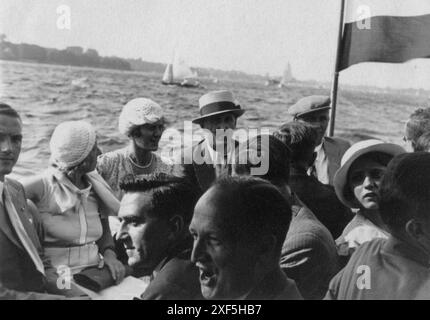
x=356 y=184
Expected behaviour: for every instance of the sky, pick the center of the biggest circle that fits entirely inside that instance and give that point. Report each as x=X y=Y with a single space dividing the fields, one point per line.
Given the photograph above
x=253 y=36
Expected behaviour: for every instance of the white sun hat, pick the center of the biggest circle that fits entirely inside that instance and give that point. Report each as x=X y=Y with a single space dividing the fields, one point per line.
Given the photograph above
x=353 y=153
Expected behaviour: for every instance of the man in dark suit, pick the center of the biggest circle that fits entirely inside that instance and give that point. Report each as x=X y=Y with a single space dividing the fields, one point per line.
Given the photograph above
x=155 y=214
x=238 y=227
x=25 y=273
x=315 y=111
x=211 y=157
x=320 y=198
x=308 y=253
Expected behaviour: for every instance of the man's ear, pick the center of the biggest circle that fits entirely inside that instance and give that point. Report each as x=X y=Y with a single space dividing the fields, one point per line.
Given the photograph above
x=176 y=225
x=414 y=229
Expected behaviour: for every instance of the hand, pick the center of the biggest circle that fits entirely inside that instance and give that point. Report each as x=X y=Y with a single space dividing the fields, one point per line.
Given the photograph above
x=116 y=268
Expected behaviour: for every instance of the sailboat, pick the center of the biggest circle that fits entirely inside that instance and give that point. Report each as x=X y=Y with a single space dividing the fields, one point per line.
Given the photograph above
x=287 y=77
x=180 y=74
x=270 y=81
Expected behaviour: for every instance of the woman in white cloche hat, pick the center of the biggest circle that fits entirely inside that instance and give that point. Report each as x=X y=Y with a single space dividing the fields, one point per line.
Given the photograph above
x=74 y=203
x=142 y=121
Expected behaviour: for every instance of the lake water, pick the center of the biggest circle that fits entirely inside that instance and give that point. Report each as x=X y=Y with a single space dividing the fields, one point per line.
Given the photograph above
x=46 y=95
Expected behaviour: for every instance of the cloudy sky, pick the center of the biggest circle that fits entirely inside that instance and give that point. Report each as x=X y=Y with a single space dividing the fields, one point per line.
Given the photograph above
x=249 y=35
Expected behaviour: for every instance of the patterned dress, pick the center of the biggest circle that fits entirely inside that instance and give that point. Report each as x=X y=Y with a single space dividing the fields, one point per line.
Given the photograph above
x=117 y=166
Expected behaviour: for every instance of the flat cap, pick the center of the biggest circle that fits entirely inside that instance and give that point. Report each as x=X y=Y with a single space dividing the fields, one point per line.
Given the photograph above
x=308 y=105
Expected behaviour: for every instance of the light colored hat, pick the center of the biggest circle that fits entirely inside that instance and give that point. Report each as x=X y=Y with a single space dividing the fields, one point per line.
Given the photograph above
x=137 y=112
x=217 y=102
x=309 y=105
x=352 y=154
x=71 y=143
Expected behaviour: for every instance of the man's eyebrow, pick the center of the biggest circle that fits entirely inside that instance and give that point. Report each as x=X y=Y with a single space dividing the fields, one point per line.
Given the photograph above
x=130 y=219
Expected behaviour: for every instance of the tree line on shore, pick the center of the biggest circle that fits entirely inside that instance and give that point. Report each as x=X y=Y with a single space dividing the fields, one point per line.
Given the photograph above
x=77 y=56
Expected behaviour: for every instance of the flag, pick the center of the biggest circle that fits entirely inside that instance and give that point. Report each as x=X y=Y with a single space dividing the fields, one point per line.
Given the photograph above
x=385 y=31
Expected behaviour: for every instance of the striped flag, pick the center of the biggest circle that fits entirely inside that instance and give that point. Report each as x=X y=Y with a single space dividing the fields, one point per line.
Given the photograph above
x=385 y=31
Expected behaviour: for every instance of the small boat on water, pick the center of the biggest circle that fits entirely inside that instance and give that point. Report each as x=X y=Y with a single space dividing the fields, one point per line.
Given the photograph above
x=180 y=74
x=270 y=81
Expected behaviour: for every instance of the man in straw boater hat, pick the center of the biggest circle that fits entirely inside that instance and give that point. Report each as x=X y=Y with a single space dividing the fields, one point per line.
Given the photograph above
x=211 y=157
x=315 y=111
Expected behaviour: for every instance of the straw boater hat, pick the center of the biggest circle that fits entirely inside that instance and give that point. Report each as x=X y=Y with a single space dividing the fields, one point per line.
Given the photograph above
x=309 y=105
x=353 y=153
x=217 y=102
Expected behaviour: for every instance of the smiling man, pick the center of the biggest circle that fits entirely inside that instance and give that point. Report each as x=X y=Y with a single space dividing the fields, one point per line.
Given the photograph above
x=155 y=215
x=315 y=110
x=239 y=226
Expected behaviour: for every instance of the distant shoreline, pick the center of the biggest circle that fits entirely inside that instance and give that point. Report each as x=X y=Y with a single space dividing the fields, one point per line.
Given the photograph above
x=79 y=57
x=63 y=66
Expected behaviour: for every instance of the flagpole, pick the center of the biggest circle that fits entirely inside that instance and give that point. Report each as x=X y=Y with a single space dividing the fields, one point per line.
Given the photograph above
x=333 y=93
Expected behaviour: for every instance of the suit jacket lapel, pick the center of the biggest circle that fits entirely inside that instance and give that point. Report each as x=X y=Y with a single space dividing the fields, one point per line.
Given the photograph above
x=5 y=226
x=20 y=207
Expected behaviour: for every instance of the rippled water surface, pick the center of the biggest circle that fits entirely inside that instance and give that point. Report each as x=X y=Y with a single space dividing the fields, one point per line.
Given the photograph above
x=45 y=95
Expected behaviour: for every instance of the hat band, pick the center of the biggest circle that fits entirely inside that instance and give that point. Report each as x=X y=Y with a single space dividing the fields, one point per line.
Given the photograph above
x=217 y=107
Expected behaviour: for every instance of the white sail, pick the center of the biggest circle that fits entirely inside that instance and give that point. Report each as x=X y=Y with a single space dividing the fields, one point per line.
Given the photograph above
x=288 y=75
x=168 y=74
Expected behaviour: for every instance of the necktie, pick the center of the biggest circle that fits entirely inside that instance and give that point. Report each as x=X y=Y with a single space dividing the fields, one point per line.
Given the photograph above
x=22 y=234
x=223 y=168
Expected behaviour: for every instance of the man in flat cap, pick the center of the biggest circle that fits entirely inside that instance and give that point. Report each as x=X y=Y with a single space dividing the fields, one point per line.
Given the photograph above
x=315 y=111
x=211 y=157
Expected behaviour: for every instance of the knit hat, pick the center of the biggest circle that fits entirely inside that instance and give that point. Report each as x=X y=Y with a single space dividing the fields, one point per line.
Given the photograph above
x=71 y=143
x=137 y=112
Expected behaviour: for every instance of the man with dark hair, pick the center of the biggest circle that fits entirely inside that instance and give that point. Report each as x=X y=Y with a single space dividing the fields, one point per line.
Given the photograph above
x=417 y=125
x=308 y=253
x=155 y=214
x=397 y=267
x=239 y=226
x=301 y=139
x=25 y=272
x=315 y=110
x=265 y=149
